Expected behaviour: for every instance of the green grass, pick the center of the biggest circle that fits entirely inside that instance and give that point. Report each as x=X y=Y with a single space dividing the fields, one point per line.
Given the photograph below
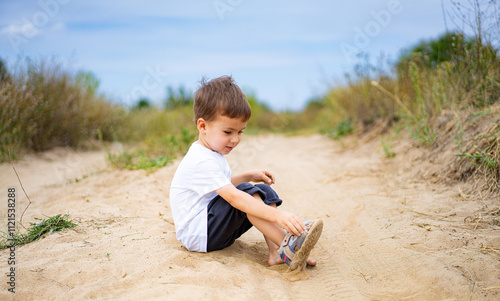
x=134 y=160
x=483 y=158
x=154 y=138
x=341 y=129
x=387 y=148
x=423 y=133
x=36 y=230
x=485 y=152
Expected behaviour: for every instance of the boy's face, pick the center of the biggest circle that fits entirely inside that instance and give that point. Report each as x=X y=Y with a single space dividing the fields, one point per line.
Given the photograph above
x=221 y=134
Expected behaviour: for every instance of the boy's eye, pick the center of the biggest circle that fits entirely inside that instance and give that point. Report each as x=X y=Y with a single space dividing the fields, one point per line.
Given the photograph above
x=227 y=132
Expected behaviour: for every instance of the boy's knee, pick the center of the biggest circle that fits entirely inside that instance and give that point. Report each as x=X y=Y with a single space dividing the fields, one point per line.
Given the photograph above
x=252 y=190
x=267 y=189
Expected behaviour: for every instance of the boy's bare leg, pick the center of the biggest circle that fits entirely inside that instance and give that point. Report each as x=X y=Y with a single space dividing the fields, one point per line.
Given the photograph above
x=274 y=257
x=273 y=235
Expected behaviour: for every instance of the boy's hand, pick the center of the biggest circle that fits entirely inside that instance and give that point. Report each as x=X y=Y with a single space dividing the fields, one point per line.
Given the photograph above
x=262 y=175
x=290 y=222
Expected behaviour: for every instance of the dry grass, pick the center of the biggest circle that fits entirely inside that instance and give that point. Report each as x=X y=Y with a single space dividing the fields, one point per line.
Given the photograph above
x=448 y=107
x=474 y=140
x=43 y=106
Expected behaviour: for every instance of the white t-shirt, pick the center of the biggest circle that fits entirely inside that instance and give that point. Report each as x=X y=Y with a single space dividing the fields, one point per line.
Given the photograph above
x=200 y=173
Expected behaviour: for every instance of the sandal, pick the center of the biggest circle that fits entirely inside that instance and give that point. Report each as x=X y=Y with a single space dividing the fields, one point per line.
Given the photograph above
x=295 y=250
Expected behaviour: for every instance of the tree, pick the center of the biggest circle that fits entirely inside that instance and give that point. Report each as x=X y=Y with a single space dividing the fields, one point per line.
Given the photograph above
x=448 y=46
x=179 y=98
x=142 y=103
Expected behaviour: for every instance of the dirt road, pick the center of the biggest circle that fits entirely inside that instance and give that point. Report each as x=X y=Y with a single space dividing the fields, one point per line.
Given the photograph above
x=387 y=236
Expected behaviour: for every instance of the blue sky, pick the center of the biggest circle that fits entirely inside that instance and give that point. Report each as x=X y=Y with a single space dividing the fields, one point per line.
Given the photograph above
x=286 y=52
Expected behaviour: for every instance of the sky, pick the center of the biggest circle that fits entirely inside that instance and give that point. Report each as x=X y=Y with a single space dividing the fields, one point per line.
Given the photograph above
x=284 y=52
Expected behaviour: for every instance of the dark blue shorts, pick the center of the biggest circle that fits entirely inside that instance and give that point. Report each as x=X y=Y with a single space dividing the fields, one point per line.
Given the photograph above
x=226 y=223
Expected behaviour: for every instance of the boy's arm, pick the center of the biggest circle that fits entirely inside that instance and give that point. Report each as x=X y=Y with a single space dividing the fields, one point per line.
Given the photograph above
x=252 y=206
x=259 y=175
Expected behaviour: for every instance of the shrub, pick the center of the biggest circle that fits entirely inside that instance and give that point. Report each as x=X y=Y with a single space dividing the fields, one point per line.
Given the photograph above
x=43 y=106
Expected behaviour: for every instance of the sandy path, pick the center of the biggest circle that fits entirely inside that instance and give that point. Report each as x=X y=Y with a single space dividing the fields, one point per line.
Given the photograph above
x=387 y=235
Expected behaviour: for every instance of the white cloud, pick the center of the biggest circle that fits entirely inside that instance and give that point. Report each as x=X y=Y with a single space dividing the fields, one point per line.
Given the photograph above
x=27 y=30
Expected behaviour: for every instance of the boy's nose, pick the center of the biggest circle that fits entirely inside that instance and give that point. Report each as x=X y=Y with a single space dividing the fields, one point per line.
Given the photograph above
x=235 y=139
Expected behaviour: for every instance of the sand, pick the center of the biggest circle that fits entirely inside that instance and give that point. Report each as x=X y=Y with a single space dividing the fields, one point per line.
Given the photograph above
x=388 y=234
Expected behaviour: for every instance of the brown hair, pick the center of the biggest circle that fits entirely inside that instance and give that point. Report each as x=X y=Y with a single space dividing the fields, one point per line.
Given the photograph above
x=220 y=96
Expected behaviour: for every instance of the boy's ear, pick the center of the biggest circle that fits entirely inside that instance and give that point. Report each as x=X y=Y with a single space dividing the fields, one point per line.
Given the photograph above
x=201 y=124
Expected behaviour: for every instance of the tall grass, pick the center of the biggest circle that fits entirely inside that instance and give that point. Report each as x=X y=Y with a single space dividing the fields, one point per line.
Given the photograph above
x=445 y=92
x=421 y=87
x=153 y=137
x=43 y=106
x=417 y=89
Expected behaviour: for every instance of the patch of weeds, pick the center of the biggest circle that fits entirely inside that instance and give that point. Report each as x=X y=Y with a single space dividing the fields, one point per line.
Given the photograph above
x=134 y=160
x=423 y=133
x=387 y=147
x=482 y=158
x=154 y=151
x=342 y=129
x=77 y=180
x=461 y=128
x=36 y=230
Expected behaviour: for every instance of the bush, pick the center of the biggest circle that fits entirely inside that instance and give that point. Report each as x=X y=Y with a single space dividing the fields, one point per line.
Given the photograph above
x=43 y=106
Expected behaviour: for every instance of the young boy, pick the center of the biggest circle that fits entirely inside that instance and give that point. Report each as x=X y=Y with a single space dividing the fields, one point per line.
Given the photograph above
x=211 y=208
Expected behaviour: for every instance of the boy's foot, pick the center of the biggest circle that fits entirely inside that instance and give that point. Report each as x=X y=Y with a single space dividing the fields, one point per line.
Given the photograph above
x=295 y=250
x=275 y=259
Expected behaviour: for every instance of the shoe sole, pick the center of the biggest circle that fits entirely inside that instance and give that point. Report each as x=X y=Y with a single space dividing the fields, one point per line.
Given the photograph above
x=299 y=259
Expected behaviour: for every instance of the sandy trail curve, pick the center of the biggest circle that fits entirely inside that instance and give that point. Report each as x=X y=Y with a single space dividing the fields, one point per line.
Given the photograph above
x=387 y=235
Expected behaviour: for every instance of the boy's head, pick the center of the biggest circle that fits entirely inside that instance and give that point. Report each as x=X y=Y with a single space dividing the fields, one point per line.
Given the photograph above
x=220 y=97
x=221 y=112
